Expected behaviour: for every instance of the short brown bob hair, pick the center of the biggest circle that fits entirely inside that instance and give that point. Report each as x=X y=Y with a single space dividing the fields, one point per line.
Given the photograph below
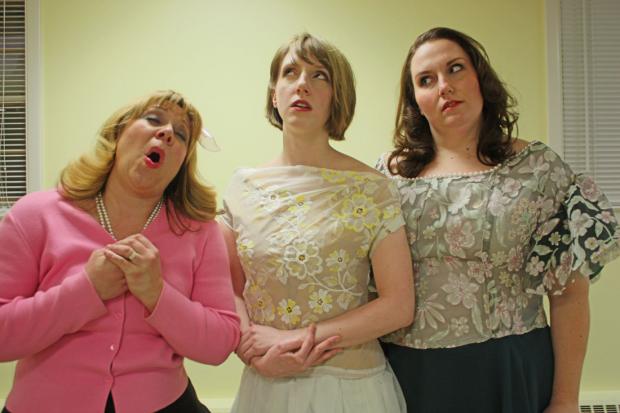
x=307 y=47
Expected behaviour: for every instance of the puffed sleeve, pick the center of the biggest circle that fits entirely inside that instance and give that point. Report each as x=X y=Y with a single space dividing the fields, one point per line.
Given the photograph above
x=576 y=234
x=391 y=216
x=380 y=164
x=225 y=216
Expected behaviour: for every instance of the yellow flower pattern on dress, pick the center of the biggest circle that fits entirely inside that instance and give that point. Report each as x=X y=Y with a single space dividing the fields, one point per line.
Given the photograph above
x=245 y=248
x=300 y=205
x=304 y=238
x=359 y=212
x=289 y=311
x=320 y=302
x=260 y=304
x=302 y=258
x=338 y=260
x=333 y=176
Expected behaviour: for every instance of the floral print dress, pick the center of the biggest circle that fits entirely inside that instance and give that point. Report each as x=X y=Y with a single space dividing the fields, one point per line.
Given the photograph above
x=304 y=238
x=488 y=246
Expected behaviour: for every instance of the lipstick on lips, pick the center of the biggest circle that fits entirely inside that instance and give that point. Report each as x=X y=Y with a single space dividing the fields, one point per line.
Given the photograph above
x=154 y=158
x=450 y=105
x=301 y=105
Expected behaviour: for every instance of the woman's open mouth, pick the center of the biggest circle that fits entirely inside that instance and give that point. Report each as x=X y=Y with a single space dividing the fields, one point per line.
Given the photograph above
x=154 y=158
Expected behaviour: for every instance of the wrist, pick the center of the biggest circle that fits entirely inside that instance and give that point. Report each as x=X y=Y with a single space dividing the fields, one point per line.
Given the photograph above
x=299 y=333
x=150 y=299
x=564 y=399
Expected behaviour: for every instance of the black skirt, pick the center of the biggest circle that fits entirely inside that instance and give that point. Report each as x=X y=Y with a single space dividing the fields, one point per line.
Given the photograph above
x=512 y=374
x=187 y=403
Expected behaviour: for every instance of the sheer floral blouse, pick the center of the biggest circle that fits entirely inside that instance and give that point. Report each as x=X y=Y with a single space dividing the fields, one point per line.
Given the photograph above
x=487 y=246
x=304 y=237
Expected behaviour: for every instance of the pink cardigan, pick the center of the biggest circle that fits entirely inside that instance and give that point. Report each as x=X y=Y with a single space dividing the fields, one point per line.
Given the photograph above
x=73 y=348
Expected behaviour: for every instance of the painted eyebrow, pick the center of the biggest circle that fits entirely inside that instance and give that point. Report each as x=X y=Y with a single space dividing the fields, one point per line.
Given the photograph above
x=448 y=63
x=317 y=66
x=454 y=60
x=183 y=124
x=287 y=66
x=422 y=74
x=296 y=64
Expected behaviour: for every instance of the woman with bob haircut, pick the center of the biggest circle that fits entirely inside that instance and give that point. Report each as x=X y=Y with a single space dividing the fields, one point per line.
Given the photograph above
x=303 y=232
x=495 y=224
x=109 y=281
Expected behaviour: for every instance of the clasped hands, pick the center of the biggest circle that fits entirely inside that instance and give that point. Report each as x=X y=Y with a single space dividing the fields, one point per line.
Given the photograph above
x=131 y=264
x=281 y=353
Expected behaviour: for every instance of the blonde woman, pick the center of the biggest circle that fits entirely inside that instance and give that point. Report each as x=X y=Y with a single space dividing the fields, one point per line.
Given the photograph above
x=108 y=282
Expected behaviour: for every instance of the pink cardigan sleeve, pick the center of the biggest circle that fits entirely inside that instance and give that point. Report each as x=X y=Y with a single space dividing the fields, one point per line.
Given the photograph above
x=205 y=326
x=31 y=319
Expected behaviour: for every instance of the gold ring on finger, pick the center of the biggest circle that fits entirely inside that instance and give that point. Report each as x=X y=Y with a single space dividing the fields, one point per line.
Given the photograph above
x=132 y=255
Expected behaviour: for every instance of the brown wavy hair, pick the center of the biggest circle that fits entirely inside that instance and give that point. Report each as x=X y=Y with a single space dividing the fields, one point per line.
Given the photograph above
x=413 y=140
x=342 y=107
x=85 y=177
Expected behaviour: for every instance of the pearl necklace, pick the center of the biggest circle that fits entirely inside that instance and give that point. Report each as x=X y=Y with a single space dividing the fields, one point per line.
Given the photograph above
x=456 y=174
x=104 y=218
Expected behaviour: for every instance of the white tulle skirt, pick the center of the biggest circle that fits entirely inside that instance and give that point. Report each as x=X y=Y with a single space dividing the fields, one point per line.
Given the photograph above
x=326 y=390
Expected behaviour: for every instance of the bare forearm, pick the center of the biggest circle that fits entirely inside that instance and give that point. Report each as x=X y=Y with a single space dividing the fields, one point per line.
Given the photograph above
x=237 y=275
x=570 y=325
x=242 y=312
x=392 y=266
x=244 y=325
x=367 y=322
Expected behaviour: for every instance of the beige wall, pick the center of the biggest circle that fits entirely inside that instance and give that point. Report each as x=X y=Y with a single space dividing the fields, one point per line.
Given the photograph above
x=99 y=55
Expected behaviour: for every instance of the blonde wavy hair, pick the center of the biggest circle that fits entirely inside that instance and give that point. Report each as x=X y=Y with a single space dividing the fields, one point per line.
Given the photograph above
x=85 y=177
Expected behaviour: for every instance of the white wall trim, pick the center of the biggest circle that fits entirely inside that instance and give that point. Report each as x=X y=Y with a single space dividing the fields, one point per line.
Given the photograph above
x=554 y=76
x=600 y=397
x=34 y=97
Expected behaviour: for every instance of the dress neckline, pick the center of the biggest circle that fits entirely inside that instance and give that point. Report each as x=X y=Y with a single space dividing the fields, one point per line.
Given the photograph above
x=317 y=169
x=459 y=174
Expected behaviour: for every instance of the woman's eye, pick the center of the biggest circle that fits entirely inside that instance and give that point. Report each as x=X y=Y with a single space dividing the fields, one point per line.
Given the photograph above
x=456 y=68
x=181 y=135
x=288 y=71
x=321 y=75
x=424 y=81
x=153 y=119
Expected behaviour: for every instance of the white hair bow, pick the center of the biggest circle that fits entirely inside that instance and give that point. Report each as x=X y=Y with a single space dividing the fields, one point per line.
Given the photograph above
x=207 y=141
